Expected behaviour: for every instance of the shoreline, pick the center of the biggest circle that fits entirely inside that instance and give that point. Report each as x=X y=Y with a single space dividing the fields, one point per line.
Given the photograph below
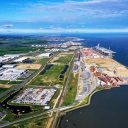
x=80 y=105
x=87 y=111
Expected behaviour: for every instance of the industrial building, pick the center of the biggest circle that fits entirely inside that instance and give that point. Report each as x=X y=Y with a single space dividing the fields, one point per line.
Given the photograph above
x=22 y=60
x=8 y=57
x=13 y=55
x=70 y=43
x=9 y=66
x=4 y=59
x=45 y=55
x=11 y=74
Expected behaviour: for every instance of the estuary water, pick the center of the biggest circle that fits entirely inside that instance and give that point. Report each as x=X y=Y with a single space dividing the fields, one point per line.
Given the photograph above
x=108 y=108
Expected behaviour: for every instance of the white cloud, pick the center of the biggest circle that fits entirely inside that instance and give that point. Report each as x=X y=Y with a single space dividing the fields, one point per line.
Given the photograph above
x=75 y=10
x=63 y=30
x=7 y=25
x=93 y=13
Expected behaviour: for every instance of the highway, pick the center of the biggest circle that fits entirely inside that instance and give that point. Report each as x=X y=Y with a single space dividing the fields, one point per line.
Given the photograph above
x=31 y=77
x=58 y=109
x=36 y=115
x=28 y=80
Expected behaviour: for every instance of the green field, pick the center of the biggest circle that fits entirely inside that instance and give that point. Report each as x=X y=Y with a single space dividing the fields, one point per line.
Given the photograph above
x=65 y=59
x=51 y=76
x=15 y=49
x=9 y=82
x=42 y=61
x=4 y=81
x=3 y=89
x=39 y=122
x=72 y=89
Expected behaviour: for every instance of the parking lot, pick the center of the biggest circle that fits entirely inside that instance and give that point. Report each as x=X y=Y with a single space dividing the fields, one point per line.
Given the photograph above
x=35 y=96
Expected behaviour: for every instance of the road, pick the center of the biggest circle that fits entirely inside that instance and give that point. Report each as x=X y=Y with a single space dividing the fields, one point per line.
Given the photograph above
x=28 y=80
x=63 y=95
x=56 y=110
x=35 y=116
x=23 y=84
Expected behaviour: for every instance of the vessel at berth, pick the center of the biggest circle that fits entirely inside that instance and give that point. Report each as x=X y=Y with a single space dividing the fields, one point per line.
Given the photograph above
x=104 y=51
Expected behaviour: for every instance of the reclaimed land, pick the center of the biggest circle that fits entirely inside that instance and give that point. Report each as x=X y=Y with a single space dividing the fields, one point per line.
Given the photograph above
x=110 y=65
x=64 y=59
x=50 y=76
x=72 y=89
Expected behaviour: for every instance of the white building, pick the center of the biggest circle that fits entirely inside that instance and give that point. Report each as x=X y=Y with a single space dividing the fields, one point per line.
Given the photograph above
x=46 y=107
x=45 y=55
x=8 y=57
x=4 y=59
x=9 y=66
x=22 y=60
x=12 y=55
x=11 y=74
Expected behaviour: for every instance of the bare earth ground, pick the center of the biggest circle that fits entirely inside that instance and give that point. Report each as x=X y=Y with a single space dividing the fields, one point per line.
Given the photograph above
x=109 y=65
x=66 y=53
x=54 y=59
x=5 y=86
x=28 y=66
x=57 y=57
x=60 y=55
x=74 y=47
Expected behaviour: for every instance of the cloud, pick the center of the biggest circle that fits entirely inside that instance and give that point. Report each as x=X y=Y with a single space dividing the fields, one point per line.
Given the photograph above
x=7 y=25
x=63 y=30
x=64 y=13
x=75 y=10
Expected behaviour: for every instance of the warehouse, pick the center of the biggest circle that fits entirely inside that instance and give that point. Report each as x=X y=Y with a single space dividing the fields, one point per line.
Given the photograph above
x=45 y=55
x=22 y=60
x=12 y=74
x=4 y=59
x=12 y=55
x=9 y=66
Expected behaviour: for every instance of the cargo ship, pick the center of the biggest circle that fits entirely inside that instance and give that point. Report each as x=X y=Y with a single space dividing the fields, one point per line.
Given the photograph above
x=104 y=51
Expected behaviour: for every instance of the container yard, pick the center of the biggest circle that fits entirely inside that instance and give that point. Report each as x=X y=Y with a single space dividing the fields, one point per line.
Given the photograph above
x=107 y=71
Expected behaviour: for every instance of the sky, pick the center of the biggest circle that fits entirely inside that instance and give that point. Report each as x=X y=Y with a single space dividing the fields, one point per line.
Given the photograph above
x=38 y=16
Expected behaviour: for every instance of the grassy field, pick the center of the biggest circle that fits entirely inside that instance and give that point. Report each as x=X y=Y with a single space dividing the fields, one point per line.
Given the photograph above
x=3 y=89
x=41 y=60
x=9 y=82
x=72 y=89
x=64 y=59
x=33 y=123
x=15 y=49
x=4 y=81
x=19 y=44
x=50 y=76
